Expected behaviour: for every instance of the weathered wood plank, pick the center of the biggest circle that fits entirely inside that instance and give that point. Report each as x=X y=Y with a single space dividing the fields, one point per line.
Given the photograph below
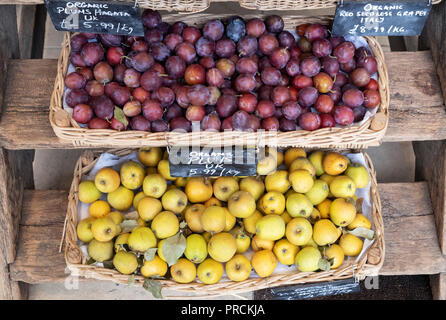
x=411 y=242
x=438 y=285
x=417 y=111
x=13 y=164
x=431 y=167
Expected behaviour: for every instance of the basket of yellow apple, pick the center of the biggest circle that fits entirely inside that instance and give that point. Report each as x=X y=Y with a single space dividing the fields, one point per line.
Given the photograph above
x=306 y=217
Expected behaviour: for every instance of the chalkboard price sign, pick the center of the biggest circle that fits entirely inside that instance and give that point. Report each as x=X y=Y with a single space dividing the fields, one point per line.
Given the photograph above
x=381 y=18
x=212 y=162
x=96 y=17
x=309 y=291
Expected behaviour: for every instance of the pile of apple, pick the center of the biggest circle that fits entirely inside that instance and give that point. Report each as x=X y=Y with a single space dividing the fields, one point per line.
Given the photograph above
x=227 y=75
x=300 y=210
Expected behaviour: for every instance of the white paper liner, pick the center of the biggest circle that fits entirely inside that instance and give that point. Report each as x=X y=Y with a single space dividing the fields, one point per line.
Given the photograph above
x=110 y=160
x=358 y=41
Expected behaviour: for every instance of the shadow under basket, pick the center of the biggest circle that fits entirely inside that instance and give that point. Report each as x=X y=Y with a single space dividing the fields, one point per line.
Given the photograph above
x=370 y=133
x=369 y=264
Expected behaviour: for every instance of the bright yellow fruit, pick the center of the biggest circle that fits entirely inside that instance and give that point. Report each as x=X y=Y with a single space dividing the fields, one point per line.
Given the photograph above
x=318 y=193
x=258 y=244
x=88 y=192
x=285 y=251
x=155 y=267
x=241 y=204
x=250 y=222
x=264 y=262
x=107 y=180
x=302 y=163
x=99 y=209
x=238 y=268
x=266 y=164
x=132 y=175
x=324 y=208
x=100 y=251
x=116 y=217
x=316 y=158
x=342 y=187
x=342 y=212
x=183 y=271
x=121 y=199
x=224 y=187
x=299 y=231
x=181 y=182
x=137 y=198
x=122 y=239
x=270 y=227
x=277 y=181
x=243 y=242
x=222 y=246
x=192 y=216
x=125 y=262
x=165 y=224
x=273 y=202
x=325 y=232
x=174 y=200
x=164 y=170
x=292 y=154
x=298 y=205
x=210 y=271
x=307 y=259
x=334 y=163
x=213 y=202
x=301 y=180
x=104 y=229
x=360 y=221
x=148 y=208
x=83 y=229
x=315 y=216
x=141 y=239
x=198 y=189
x=336 y=253
x=196 y=248
x=286 y=217
x=154 y=185
x=359 y=174
x=150 y=156
x=230 y=220
x=351 y=244
x=253 y=185
x=213 y=219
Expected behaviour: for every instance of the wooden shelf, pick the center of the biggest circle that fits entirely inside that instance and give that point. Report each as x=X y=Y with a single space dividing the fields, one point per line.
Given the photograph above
x=417 y=111
x=411 y=242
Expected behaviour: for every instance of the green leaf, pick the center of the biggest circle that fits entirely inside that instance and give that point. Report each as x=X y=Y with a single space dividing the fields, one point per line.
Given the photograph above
x=324 y=265
x=120 y=116
x=91 y=261
x=108 y=264
x=363 y=233
x=131 y=280
x=154 y=287
x=149 y=255
x=128 y=225
x=173 y=248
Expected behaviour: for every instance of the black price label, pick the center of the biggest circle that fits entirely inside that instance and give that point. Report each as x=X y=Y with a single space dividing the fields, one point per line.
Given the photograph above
x=96 y=17
x=309 y=291
x=380 y=18
x=212 y=162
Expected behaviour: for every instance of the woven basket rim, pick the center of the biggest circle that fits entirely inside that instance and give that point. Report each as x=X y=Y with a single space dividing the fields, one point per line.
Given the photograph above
x=362 y=136
x=76 y=260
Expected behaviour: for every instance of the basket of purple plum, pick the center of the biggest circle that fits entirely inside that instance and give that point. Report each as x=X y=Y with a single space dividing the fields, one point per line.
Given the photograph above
x=198 y=79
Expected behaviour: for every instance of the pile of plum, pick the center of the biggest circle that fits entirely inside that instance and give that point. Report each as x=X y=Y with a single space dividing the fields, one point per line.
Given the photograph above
x=231 y=75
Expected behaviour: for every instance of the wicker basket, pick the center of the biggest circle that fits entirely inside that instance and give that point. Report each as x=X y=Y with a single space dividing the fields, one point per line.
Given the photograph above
x=369 y=133
x=369 y=264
